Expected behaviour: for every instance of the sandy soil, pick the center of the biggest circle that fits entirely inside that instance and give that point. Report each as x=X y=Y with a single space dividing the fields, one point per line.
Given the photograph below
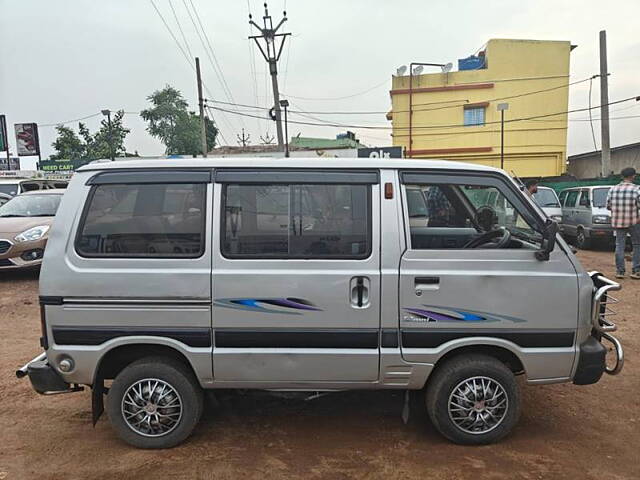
x=566 y=431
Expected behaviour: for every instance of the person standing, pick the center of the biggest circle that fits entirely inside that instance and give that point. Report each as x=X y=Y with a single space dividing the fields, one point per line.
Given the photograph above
x=623 y=201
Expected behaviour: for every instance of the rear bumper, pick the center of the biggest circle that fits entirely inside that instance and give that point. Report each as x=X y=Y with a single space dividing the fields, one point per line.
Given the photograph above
x=44 y=379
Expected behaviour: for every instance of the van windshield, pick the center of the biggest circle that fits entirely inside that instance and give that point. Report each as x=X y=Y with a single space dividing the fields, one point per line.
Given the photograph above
x=31 y=206
x=9 y=188
x=600 y=197
x=546 y=198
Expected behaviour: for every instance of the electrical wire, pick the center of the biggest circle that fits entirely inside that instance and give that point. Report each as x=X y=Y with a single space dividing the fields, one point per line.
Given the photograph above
x=593 y=134
x=445 y=126
x=337 y=98
x=184 y=38
x=69 y=121
x=215 y=59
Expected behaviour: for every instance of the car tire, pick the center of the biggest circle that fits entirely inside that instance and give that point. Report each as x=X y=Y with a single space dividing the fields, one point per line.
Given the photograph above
x=582 y=241
x=155 y=402
x=470 y=415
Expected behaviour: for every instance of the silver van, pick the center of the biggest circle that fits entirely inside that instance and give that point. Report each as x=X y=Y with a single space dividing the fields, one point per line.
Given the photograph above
x=585 y=218
x=549 y=202
x=166 y=278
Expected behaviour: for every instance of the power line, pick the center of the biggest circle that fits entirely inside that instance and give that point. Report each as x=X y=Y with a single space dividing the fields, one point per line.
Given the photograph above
x=593 y=133
x=69 y=121
x=189 y=61
x=187 y=57
x=184 y=38
x=371 y=127
x=217 y=66
x=338 y=98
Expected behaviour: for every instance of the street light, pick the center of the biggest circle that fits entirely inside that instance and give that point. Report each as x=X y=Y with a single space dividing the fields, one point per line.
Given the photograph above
x=285 y=105
x=107 y=113
x=501 y=108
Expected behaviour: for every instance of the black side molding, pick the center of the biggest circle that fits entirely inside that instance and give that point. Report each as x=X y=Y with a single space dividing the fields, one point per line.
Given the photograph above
x=432 y=338
x=44 y=300
x=341 y=338
x=193 y=337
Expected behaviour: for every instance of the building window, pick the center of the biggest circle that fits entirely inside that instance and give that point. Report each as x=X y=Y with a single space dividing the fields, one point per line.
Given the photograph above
x=474 y=116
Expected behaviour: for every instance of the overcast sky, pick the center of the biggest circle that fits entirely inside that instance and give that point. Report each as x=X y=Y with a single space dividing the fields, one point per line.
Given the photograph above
x=65 y=59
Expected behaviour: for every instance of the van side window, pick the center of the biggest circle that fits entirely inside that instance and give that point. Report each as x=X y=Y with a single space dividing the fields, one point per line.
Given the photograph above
x=572 y=196
x=456 y=214
x=296 y=221
x=562 y=197
x=584 y=199
x=146 y=220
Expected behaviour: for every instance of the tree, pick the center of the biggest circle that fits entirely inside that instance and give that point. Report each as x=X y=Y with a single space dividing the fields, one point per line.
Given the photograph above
x=91 y=146
x=67 y=145
x=174 y=125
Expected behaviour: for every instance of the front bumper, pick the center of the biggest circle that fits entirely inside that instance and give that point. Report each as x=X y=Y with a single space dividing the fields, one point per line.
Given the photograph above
x=602 y=232
x=592 y=355
x=44 y=378
x=21 y=255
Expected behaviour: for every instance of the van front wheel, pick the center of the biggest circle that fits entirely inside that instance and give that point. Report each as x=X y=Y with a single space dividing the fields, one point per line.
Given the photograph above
x=473 y=399
x=154 y=403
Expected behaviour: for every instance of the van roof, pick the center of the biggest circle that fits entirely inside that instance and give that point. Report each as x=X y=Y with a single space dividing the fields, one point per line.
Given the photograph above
x=281 y=162
x=587 y=187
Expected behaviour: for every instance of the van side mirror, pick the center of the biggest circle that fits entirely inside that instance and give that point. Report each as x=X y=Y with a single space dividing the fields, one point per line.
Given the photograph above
x=548 y=240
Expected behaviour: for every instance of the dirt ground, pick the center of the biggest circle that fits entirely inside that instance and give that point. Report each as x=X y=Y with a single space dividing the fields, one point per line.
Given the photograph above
x=566 y=431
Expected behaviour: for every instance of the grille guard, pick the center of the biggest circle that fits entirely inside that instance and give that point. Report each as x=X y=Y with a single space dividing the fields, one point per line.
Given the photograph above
x=600 y=310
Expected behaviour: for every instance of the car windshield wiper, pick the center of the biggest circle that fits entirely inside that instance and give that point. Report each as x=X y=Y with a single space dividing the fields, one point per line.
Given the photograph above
x=43 y=215
x=552 y=204
x=11 y=215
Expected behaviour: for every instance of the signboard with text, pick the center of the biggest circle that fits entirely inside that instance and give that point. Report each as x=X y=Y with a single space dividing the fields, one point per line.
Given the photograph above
x=380 y=152
x=60 y=165
x=27 y=141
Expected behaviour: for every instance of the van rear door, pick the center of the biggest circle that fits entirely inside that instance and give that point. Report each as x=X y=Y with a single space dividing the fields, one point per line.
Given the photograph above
x=296 y=277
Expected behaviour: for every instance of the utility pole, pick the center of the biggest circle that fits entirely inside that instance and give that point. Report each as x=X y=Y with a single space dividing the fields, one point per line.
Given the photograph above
x=203 y=126
x=271 y=55
x=107 y=113
x=604 y=106
x=244 y=139
x=5 y=139
x=501 y=108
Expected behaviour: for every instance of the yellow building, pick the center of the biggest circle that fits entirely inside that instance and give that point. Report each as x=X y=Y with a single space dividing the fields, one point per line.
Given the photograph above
x=454 y=115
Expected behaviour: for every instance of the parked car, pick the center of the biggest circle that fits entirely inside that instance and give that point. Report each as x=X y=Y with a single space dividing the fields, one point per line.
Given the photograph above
x=16 y=186
x=165 y=278
x=548 y=200
x=585 y=218
x=24 y=225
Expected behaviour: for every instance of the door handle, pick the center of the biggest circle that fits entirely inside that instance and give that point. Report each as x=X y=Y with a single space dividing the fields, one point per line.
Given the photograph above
x=359 y=292
x=426 y=283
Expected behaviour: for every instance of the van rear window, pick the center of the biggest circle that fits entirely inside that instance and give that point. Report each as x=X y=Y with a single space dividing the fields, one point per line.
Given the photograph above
x=146 y=220
x=296 y=221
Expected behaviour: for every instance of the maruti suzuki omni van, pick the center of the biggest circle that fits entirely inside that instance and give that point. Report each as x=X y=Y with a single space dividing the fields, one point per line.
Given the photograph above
x=165 y=278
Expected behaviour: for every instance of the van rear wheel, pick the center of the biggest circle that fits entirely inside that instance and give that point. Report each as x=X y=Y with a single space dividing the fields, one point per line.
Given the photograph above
x=473 y=399
x=154 y=403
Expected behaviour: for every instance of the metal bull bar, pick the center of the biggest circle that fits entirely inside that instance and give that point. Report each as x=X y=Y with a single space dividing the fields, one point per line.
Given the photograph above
x=600 y=310
x=22 y=372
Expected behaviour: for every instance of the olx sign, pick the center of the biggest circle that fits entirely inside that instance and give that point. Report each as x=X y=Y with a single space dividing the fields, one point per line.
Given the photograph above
x=380 y=152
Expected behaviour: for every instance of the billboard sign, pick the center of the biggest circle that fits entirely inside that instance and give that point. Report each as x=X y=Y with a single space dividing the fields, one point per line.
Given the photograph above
x=27 y=141
x=60 y=165
x=12 y=164
x=380 y=152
